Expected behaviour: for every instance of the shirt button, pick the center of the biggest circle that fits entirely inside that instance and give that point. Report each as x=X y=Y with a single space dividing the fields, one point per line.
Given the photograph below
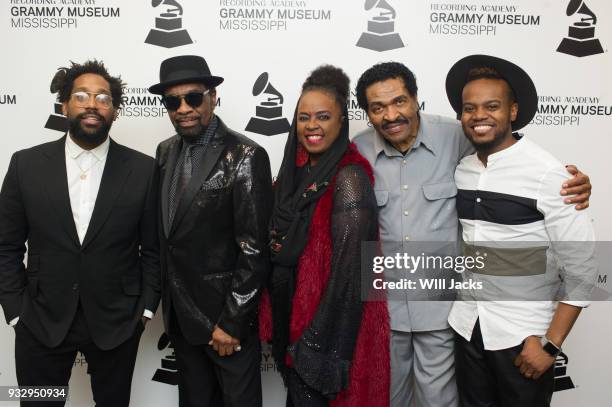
x=403 y=162
x=478 y=200
x=407 y=238
x=75 y=286
x=405 y=213
x=404 y=187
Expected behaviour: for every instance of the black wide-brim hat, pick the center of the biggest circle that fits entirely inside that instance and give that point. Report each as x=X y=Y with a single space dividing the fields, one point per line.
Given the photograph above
x=523 y=87
x=184 y=69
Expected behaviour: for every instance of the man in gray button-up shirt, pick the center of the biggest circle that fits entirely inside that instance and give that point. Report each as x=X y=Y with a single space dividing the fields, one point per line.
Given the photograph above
x=414 y=156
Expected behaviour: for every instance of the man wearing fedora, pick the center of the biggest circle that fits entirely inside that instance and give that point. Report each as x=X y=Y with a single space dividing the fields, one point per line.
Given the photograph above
x=540 y=268
x=216 y=197
x=414 y=156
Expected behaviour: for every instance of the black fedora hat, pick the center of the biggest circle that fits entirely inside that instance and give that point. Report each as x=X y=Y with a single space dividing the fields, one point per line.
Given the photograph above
x=184 y=69
x=523 y=87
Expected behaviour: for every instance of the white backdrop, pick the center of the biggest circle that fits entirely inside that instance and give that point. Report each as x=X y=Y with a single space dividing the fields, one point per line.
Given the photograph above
x=241 y=39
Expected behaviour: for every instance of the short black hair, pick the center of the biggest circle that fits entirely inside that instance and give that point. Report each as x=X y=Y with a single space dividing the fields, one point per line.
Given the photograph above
x=485 y=72
x=330 y=79
x=63 y=81
x=382 y=72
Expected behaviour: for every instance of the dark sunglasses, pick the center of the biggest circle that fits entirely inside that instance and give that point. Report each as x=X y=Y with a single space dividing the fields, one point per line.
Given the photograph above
x=193 y=99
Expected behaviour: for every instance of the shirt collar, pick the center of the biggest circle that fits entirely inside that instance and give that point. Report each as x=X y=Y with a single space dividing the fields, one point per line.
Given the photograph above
x=423 y=138
x=74 y=150
x=514 y=148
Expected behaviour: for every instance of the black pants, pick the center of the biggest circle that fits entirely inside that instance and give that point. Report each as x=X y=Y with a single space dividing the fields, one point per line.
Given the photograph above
x=209 y=380
x=110 y=370
x=490 y=379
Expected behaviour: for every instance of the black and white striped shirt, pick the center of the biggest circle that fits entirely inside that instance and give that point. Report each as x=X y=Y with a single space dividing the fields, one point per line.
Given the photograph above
x=515 y=199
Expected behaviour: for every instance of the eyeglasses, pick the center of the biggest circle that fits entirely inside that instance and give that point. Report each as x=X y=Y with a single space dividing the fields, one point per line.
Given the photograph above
x=193 y=99
x=82 y=98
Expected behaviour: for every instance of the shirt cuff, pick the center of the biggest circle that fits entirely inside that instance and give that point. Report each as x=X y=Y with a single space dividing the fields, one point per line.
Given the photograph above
x=14 y=321
x=580 y=304
x=147 y=314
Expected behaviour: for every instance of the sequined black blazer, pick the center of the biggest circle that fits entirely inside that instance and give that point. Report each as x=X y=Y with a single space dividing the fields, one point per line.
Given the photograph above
x=214 y=255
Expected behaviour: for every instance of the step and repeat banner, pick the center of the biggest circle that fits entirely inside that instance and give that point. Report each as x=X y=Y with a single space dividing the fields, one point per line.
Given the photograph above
x=265 y=49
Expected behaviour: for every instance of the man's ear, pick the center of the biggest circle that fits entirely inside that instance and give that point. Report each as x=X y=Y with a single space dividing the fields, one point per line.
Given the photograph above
x=115 y=114
x=213 y=99
x=65 y=108
x=513 y=111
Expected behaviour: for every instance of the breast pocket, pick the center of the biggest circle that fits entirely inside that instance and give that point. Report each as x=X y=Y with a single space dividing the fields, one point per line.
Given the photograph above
x=382 y=197
x=441 y=200
x=211 y=198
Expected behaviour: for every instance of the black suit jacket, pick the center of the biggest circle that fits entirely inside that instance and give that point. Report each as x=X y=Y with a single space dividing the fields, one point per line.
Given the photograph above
x=214 y=255
x=114 y=273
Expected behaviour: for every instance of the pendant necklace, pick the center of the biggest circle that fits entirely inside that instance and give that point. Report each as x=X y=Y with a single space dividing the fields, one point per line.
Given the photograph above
x=84 y=172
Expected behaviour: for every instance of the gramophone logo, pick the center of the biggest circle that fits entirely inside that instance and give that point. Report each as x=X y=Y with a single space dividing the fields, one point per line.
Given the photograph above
x=381 y=35
x=581 y=41
x=562 y=380
x=268 y=119
x=168 y=372
x=57 y=121
x=168 y=31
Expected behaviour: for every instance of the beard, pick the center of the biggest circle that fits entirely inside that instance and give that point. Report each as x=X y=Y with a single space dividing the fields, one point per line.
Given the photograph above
x=189 y=133
x=498 y=139
x=92 y=137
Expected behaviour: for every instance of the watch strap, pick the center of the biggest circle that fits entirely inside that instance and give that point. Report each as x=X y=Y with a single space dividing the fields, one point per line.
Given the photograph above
x=549 y=347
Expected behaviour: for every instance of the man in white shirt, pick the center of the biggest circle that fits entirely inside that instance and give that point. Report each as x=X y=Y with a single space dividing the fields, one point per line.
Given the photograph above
x=414 y=156
x=508 y=206
x=87 y=208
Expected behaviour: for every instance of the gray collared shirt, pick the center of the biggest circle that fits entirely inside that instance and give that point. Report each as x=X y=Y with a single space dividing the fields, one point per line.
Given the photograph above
x=416 y=193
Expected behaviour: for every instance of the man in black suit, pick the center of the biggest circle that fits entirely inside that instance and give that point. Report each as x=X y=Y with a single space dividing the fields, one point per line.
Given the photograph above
x=87 y=208
x=216 y=199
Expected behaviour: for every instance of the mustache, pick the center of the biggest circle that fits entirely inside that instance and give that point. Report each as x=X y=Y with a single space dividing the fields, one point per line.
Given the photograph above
x=98 y=116
x=180 y=118
x=387 y=123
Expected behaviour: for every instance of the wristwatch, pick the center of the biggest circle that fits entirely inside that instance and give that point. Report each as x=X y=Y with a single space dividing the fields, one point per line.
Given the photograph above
x=549 y=347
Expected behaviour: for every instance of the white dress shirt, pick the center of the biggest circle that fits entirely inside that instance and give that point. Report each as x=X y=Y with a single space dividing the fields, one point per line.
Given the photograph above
x=525 y=174
x=84 y=169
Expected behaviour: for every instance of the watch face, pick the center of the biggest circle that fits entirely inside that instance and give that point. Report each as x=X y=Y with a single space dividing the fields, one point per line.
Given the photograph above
x=551 y=349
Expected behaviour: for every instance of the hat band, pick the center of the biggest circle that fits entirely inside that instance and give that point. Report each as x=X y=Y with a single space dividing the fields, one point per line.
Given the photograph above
x=184 y=74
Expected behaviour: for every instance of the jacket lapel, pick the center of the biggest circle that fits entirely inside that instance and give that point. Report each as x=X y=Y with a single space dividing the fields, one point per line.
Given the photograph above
x=56 y=186
x=209 y=159
x=115 y=174
x=168 y=168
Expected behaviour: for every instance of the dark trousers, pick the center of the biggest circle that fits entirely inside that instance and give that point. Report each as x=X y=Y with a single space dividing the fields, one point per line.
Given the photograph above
x=209 y=380
x=490 y=379
x=110 y=370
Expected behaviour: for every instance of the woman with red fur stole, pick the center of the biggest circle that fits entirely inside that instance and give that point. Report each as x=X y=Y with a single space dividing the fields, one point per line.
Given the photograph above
x=331 y=346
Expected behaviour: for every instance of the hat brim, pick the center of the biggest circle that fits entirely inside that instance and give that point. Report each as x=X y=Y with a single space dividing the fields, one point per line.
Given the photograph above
x=523 y=87
x=210 y=81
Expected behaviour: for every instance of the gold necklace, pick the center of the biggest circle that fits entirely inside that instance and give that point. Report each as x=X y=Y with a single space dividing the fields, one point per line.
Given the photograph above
x=85 y=171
